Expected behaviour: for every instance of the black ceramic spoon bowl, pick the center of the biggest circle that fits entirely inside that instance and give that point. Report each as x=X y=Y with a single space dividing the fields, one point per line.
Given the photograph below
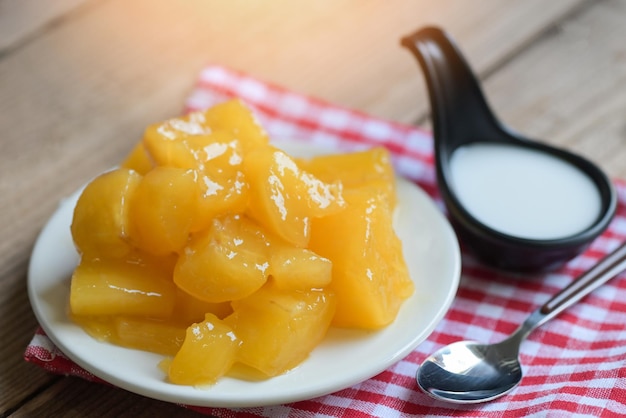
x=461 y=116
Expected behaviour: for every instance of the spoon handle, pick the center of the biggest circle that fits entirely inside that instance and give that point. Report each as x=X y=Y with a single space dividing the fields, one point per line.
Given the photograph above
x=599 y=274
x=459 y=108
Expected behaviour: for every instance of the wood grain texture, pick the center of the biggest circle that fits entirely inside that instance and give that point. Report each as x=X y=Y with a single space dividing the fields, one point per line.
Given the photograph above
x=77 y=98
x=79 y=81
x=568 y=88
x=73 y=397
x=22 y=20
x=17 y=324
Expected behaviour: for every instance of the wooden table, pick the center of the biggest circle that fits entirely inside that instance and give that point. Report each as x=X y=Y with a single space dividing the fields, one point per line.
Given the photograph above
x=79 y=81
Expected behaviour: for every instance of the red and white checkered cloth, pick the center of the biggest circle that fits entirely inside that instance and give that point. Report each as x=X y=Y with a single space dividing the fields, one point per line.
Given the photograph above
x=574 y=366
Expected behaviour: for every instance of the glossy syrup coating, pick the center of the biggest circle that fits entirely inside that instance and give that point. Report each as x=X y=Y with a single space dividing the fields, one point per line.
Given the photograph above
x=213 y=247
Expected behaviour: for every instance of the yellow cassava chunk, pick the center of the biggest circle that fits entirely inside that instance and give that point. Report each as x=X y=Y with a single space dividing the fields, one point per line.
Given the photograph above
x=284 y=198
x=163 y=209
x=157 y=336
x=207 y=353
x=178 y=142
x=299 y=268
x=186 y=141
x=101 y=328
x=153 y=335
x=278 y=329
x=370 y=277
x=236 y=118
x=355 y=169
x=138 y=160
x=101 y=226
x=189 y=309
x=228 y=261
x=223 y=187
x=220 y=194
x=165 y=142
x=122 y=287
x=214 y=149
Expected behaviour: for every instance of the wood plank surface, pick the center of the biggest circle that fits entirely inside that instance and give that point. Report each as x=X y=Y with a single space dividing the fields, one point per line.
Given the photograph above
x=23 y=20
x=568 y=87
x=73 y=397
x=79 y=81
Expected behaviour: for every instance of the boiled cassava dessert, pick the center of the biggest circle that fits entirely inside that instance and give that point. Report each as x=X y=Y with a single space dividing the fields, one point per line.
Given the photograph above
x=212 y=247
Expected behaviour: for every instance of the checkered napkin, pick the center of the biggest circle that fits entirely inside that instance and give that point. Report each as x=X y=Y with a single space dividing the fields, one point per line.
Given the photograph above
x=574 y=365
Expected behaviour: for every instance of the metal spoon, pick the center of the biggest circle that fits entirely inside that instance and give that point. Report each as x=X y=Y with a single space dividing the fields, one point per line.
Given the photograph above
x=469 y=372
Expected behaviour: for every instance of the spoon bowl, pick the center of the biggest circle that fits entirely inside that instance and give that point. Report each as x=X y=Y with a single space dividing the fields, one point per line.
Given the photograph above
x=469 y=372
x=473 y=372
x=463 y=119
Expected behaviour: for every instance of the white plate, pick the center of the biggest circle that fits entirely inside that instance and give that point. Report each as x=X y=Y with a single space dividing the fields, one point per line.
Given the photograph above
x=343 y=359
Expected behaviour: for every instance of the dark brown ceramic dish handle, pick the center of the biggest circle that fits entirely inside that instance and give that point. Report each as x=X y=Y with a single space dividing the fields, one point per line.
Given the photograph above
x=606 y=269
